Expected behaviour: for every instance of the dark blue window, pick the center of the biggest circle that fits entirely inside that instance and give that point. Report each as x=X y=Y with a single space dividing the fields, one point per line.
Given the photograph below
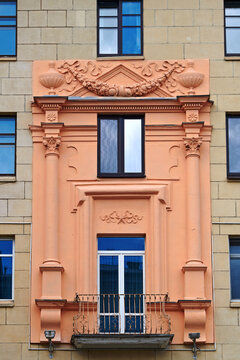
x=7 y=145
x=233 y=146
x=121 y=243
x=235 y=268
x=8 y=18
x=120 y=27
x=232 y=27
x=6 y=269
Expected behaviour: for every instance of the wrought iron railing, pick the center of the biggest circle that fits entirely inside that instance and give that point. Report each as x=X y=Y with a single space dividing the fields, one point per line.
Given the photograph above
x=110 y=314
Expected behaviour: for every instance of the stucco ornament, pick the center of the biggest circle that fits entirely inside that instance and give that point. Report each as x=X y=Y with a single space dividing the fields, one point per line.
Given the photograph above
x=192 y=117
x=51 y=79
x=52 y=144
x=75 y=77
x=126 y=218
x=191 y=78
x=192 y=145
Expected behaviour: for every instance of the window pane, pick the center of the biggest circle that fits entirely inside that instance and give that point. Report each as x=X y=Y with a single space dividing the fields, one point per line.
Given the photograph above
x=234 y=144
x=108 y=284
x=232 y=11
x=131 y=20
x=8 y=41
x=6 y=139
x=232 y=41
x=6 y=246
x=134 y=324
x=121 y=243
x=233 y=21
x=8 y=8
x=108 y=41
x=7 y=125
x=133 y=284
x=5 y=278
x=131 y=40
x=235 y=278
x=131 y=7
x=108 y=22
x=235 y=247
x=7 y=21
x=107 y=326
x=108 y=146
x=7 y=159
x=133 y=145
x=108 y=12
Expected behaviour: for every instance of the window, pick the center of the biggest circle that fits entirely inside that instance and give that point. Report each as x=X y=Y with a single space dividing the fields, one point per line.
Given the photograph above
x=7 y=145
x=121 y=284
x=6 y=269
x=8 y=20
x=232 y=27
x=120 y=146
x=235 y=268
x=233 y=146
x=120 y=27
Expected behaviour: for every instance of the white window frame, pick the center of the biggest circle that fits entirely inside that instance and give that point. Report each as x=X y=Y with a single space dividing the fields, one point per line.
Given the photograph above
x=121 y=254
x=13 y=263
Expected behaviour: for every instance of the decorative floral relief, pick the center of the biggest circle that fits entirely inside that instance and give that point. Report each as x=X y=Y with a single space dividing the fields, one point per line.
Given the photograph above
x=125 y=218
x=51 y=116
x=192 y=117
x=75 y=76
x=192 y=146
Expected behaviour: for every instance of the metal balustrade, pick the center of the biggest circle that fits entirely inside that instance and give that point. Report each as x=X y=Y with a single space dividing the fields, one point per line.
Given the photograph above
x=111 y=314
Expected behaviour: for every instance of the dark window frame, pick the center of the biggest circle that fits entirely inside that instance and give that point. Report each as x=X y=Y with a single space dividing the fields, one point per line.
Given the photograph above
x=232 y=240
x=121 y=173
x=10 y=17
x=13 y=143
x=119 y=28
x=230 y=175
x=12 y=256
x=230 y=4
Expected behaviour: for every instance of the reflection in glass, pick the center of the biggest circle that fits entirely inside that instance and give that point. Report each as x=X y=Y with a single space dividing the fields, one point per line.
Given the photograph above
x=234 y=144
x=108 y=146
x=108 y=22
x=6 y=247
x=108 y=39
x=233 y=21
x=121 y=243
x=131 y=20
x=8 y=8
x=7 y=125
x=131 y=40
x=7 y=41
x=7 y=159
x=132 y=145
x=232 y=41
x=7 y=21
x=5 y=278
x=108 y=12
x=131 y=7
x=232 y=11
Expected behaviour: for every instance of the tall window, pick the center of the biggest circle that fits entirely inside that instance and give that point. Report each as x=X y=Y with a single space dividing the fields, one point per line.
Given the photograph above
x=120 y=146
x=6 y=269
x=121 y=284
x=235 y=268
x=7 y=145
x=232 y=27
x=120 y=27
x=8 y=23
x=233 y=146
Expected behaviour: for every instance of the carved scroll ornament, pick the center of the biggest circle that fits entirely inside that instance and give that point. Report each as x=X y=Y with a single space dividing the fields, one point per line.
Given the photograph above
x=126 y=218
x=192 y=146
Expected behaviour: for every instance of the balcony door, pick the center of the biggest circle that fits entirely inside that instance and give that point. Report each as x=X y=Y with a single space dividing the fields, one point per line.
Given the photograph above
x=121 y=284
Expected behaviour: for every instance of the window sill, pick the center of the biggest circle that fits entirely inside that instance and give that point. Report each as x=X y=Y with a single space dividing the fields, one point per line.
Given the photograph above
x=235 y=304
x=7 y=178
x=7 y=303
x=137 y=57
x=6 y=58
x=230 y=58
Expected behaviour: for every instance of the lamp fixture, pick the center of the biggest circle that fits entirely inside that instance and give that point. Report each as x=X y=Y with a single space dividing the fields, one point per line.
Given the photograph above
x=195 y=349
x=49 y=335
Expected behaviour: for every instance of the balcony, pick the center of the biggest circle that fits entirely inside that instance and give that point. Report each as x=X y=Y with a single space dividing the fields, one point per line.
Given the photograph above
x=121 y=321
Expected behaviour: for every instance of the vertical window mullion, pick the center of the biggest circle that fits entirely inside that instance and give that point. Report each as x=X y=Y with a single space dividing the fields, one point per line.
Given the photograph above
x=120 y=27
x=121 y=145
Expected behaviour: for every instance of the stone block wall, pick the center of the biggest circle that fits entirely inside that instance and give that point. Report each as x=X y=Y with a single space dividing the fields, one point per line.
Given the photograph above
x=65 y=29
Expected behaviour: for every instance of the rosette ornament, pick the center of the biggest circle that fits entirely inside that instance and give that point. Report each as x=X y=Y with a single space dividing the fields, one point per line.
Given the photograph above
x=51 y=79
x=190 y=78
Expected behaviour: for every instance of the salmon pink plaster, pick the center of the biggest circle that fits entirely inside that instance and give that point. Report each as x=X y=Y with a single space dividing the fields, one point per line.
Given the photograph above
x=170 y=205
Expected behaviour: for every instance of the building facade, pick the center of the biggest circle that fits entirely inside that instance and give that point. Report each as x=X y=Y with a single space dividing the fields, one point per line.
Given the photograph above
x=123 y=244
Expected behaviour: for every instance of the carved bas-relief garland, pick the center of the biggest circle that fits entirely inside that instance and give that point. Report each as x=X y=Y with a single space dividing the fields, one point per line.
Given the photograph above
x=125 y=218
x=170 y=77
